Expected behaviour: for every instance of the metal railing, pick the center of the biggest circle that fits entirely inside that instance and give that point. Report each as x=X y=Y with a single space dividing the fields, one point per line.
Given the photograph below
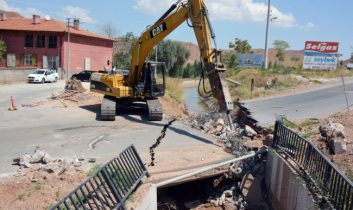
x=110 y=186
x=328 y=179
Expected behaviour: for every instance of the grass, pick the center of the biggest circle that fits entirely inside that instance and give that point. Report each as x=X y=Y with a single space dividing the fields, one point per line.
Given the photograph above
x=57 y=195
x=305 y=128
x=349 y=173
x=35 y=187
x=93 y=170
x=309 y=123
x=276 y=80
x=174 y=89
x=289 y=124
x=308 y=134
x=265 y=82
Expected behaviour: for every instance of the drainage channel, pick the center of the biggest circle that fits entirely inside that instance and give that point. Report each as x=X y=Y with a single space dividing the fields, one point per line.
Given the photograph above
x=217 y=191
x=190 y=194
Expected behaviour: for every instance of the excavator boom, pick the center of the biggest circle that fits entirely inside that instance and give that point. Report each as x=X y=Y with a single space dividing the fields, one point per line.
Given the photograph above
x=141 y=84
x=196 y=12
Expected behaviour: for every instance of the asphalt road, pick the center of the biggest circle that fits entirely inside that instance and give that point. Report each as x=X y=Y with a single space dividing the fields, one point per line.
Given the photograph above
x=314 y=104
x=68 y=132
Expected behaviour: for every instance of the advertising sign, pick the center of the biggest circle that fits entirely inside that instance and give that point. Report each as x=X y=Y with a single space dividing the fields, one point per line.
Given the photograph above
x=322 y=47
x=320 y=62
x=250 y=60
x=320 y=55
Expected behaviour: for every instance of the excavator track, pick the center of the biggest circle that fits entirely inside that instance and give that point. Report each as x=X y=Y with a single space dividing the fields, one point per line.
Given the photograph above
x=155 y=111
x=108 y=108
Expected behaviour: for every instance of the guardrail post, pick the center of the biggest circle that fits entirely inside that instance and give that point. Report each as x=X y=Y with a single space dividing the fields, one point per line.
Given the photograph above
x=275 y=136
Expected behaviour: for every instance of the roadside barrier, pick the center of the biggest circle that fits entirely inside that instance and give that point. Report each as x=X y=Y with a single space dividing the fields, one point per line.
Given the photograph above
x=110 y=186
x=329 y=180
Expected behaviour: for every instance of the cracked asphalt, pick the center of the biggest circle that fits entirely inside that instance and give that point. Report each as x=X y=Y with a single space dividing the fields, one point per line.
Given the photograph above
x=68 y=132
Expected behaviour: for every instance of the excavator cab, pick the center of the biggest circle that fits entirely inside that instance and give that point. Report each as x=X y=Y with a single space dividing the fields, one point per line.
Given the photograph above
x=154 y=79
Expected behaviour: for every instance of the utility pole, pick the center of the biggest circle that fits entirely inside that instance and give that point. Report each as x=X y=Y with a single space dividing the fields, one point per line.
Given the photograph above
x=68 y=49
x=68 y=46
x=266 y=38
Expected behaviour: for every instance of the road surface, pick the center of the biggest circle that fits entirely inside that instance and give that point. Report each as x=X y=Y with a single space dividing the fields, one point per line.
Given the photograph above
x=314 y=104
x=68 y=132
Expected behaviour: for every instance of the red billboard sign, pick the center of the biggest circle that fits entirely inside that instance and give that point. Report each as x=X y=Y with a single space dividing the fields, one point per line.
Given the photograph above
x=323 y=47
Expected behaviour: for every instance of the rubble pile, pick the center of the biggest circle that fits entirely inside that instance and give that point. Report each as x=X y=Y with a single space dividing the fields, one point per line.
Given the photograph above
x=69 y=95
x=40 y=161
x=74 y=84
x=334 y=134
x=213 y=122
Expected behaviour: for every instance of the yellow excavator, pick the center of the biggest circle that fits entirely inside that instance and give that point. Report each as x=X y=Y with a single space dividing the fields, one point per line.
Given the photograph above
x=146 y=80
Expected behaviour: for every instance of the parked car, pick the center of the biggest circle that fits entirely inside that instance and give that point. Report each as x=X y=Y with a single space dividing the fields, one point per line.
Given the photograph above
x=350 y=66
x=43 y=75
x=83 y=75
x=104 y=71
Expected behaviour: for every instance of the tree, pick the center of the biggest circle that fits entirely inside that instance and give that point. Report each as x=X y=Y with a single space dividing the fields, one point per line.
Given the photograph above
x=124 y=46
x=108 y=30
x=198 y=68
x=233 y=61
x=2 y=49
x=188 y=71
x=280 y=46
x=231 y=45
x=174 y=55
x=241 y=46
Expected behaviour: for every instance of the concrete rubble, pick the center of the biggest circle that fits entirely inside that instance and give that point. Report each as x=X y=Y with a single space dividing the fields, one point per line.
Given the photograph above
x=39 y=161
x=229 y=196
x=213 y=122
x=334 y=133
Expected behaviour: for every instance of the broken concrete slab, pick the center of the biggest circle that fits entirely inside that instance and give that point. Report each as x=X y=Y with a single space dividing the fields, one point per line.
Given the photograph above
x=249 y=131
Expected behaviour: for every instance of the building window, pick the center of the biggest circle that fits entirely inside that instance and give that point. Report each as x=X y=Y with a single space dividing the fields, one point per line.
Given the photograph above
x=40 y=41
x=28 y=60
x=29 y=40
x=53 y=62
x=52 y=42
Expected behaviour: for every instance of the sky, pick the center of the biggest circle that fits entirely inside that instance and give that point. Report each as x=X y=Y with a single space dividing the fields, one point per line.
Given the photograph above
x=296 y=21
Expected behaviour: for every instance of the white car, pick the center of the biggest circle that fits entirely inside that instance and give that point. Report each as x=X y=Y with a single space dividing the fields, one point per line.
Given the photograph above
x=350 y=66
x=43 y=75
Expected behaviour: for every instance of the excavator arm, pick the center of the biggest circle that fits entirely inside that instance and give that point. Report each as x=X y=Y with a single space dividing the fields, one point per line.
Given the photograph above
x=196 y=12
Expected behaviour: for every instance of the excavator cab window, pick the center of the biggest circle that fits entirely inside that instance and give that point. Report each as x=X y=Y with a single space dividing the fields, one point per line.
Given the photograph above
x=154 y=77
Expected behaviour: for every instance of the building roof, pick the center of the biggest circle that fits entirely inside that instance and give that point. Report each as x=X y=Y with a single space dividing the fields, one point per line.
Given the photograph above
x=26 y=24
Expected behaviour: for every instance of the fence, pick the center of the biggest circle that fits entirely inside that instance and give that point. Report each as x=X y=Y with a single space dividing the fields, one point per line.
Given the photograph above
x=110 y=186
x=331 y=182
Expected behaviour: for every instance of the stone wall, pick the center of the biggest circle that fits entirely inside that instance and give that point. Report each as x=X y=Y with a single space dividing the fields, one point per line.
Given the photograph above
x=14 y=75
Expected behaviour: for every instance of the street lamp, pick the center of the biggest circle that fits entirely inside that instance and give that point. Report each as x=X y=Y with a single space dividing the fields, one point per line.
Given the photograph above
x=69 y=20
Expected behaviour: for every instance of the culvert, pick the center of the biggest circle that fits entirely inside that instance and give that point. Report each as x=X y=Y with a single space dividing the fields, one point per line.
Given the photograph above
x=186 y=192
x=199 y=194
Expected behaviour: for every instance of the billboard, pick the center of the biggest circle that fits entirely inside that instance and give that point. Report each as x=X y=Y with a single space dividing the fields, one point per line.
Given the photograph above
x=320 y=62
x=320 y=55
x=250 y=60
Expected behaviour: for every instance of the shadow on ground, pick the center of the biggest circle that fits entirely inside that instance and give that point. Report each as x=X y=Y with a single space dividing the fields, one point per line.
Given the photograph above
x=129 y=113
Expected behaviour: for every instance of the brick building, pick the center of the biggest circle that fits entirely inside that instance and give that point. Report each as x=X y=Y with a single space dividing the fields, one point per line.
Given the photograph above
x=43 y=43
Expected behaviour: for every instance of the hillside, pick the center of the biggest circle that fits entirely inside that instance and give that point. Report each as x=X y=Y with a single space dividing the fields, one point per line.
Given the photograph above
x=193 y=49
x=293 y=58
